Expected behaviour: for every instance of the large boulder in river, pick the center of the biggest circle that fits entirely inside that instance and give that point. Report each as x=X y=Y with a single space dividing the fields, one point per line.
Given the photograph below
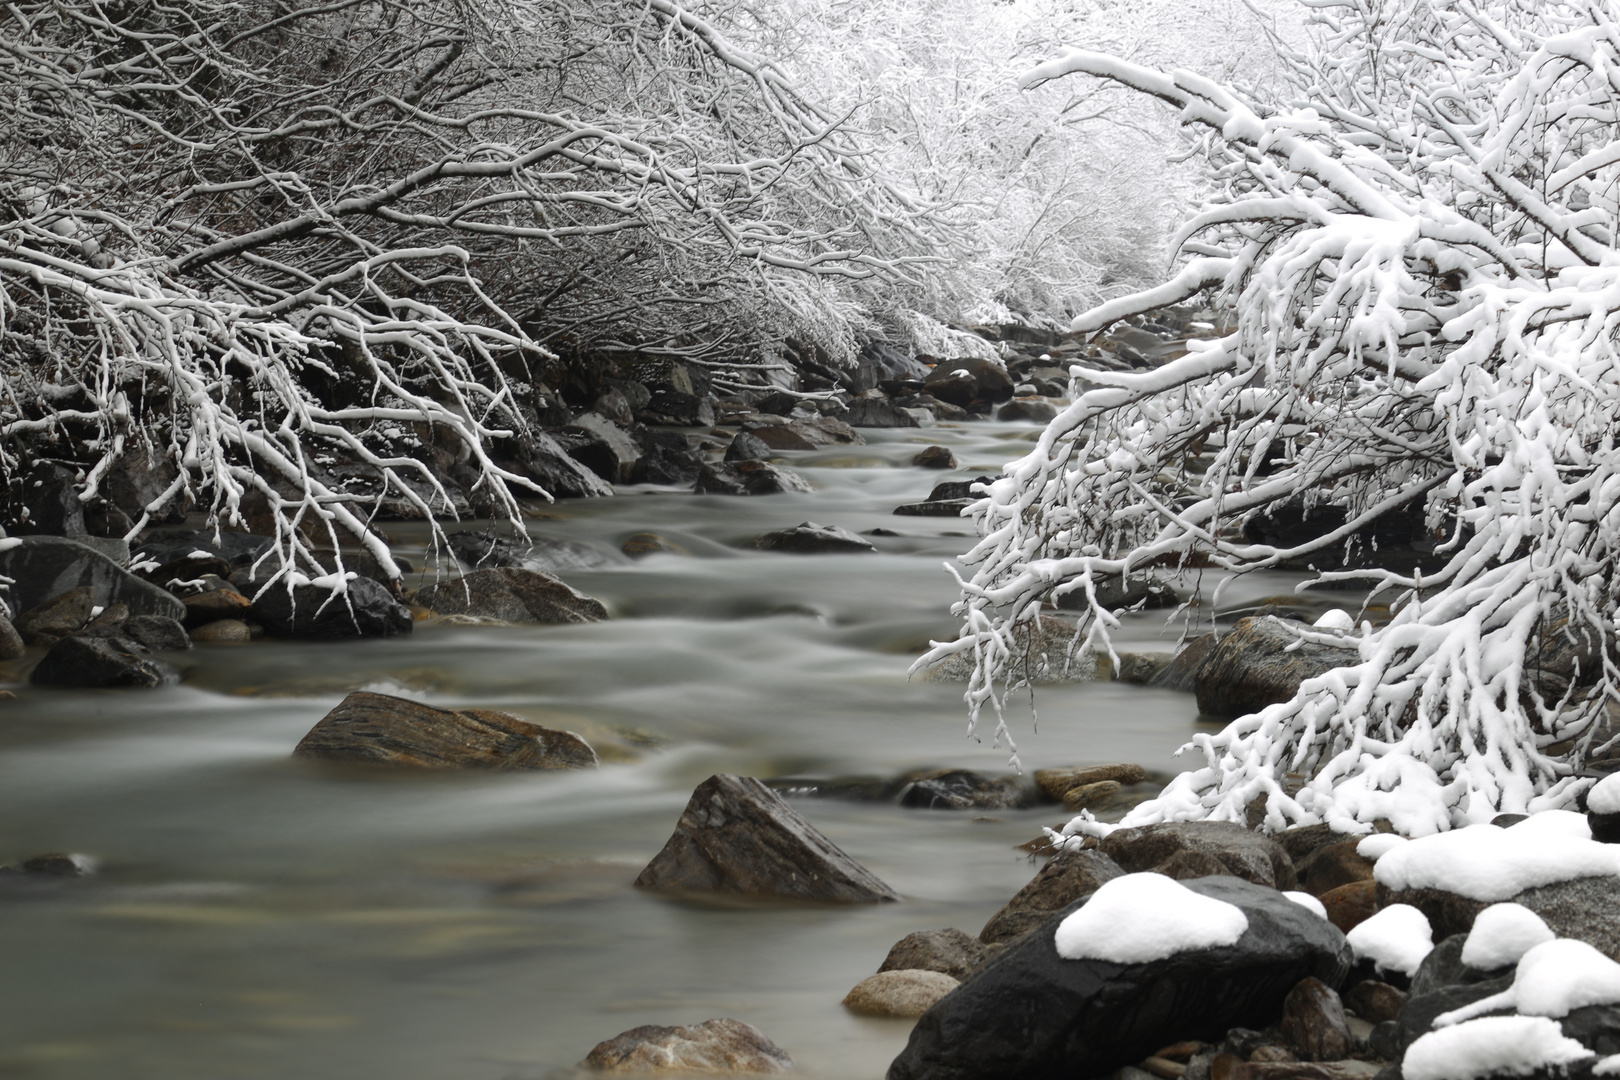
x=85 y=663
x=712 y=1047
x=1245 y=854
x=1250 y=667
x=808 y=538
x=511 y=595
x=748 y=478
x=317 y=612
x=42 y=567
x=388 y=730
x=1031 y=1013
x=738 y=836
x=969 y=381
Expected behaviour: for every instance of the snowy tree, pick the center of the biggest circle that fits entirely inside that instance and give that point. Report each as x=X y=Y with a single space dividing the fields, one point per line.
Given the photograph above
x=213 y=213
x=1418 y=240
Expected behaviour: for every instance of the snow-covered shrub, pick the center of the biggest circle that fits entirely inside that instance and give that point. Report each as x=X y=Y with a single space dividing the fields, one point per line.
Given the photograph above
x=1418 y=239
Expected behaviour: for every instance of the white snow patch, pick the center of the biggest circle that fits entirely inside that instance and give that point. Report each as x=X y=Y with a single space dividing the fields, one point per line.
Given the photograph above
x=1554 y=823
x=10 y=542
x=1607 y=1066
x=1379 y=844
x=1552 y=979
x=1335 y=619
x=1307 y=901
x=1493 y=1046
x=1141 y=917
x=1604 y=798
x=1503 y=933
x=1395 y=939
x=1484 y=862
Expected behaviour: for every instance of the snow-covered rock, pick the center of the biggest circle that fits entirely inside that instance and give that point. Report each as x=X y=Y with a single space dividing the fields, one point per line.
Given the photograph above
x=1395 y=939
x=1140 y=917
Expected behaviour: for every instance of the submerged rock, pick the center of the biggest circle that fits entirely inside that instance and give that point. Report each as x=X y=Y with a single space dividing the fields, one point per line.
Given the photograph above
x=959 y=789
x=714 y=1046
x=315 y=612
x=738 y=836
x=935 y=457
x=900 y=993
x=1030 y=1014
x=948 y=951
x=749 y=478
x=511 y=595
x=1056 y=783
x=389 y=730
x=809 y=538
x=483 y=550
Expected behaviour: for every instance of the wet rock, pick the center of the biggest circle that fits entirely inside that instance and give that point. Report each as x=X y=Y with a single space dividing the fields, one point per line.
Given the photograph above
x=317 y=613
x=641 y=544
x=1115 y=594
x=1182 y=671
x=1029 y=410
x=714 y=1046
x=511 y=595
x=959 y=789
x=874 y=409
x=1031 y=1013
x=56 y=618
x=100 y=663
x=1374 y=1001
x=1332 y=866
x=49 y=502
x=1314 y=1024
x=1141 y=668
x=158 y=633
x=748 y=478
x=949 y=951
x=11 y=642
x=935 y=508
x=225 y=631
x=173 y=546
x=1249 y=668
x=60 y=864
x=1444 y=967
x=969 y=381
x=809 y=538
x=901 y=993
x=1245 y=854
x=615 y=406
x=748 y=447
x=1055 y=783
x=204 y=608
x=846 y=788
x=1069 y=876
x=1186 y=865
x=948 y=490
x=601 y=446
x=737 y=836
x=387 y=730
x=543 y=459
x=42 y=567
x=1086 y=795
x=1350 y=905
x=935 y=457
x=806 y=434
x=484 y=550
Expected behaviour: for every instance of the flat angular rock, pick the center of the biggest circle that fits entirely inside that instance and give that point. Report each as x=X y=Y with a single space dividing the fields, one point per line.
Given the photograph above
x=935 y=508
x=1030 y=1014
x=809 y=538
x=100 y=663
x=748 y=478
x=56 y=618
x=1245 y=854
x=511 y=595
x=388 y=730
x=949 y=951
x=878 y=411
x=313 y=612
x=901 y=993
x=1069 y=876
x=714 y=1046
x=158 y=633
x=748 y=447
x=738 y=836
x=207 y=607
x=1250 y=667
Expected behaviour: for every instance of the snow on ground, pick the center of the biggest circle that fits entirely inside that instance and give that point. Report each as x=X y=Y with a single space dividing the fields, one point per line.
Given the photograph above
x=1141 y=917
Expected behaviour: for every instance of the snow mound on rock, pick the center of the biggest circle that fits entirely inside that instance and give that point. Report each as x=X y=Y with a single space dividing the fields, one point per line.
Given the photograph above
x=1378 y=845
x=1493 y=1046
x=1308 y=902
x=1503 y=933
x=1141 y=917
x=1487 y=863
x=1395 y=939
x=1552 y=979
x=1604 y=798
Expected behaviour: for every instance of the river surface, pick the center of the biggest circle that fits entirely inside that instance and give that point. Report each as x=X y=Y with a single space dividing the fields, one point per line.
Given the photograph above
x=257 y=916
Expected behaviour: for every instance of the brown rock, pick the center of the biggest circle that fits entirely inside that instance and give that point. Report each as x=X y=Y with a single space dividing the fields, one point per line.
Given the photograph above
x=511 y=594
x=714 y=1046
x=1084 y=795
x=1069 y=876
x=56 y=618
x=396 y=731
x=1164 y=1068
x=904 y=994
x=1055 y=783
x=1181 y=672
x=935 y=457
x=108 y=623
x=950 y=952
x=1303 y=841
x=1191 y=864
x=1245 y=854
x=1314 y=1023
x=1334 y=865
x=11 y=642
x=1260 y=662
x=1350 y=905
x=1374 y=1001
x=640 y=545
x=222 y=632
x=1302 y=1070
x=208 y=607
x=738 y=836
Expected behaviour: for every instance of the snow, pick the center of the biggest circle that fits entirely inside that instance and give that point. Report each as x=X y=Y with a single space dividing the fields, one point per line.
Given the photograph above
x=1604 y=798
x=1503 y=933
x=1484 y=862
x=1553 y=979
x=1554 y=823
x=1335 y=619
x=1607 y=1066
x=1307 y=901
x=1395 y=939
x=1376 y=846
x=1492 y=1046
x=1141 y=917
x=10 y=542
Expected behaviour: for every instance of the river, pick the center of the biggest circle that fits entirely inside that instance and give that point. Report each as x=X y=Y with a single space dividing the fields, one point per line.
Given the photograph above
x=257 y=916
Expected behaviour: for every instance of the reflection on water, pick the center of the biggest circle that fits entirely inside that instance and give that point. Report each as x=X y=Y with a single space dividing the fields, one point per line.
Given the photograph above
x=261 y=917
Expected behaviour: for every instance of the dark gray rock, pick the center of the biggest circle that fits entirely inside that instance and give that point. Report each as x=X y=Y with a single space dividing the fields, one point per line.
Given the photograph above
x=1029 y=410
x=61 y=864
x=1029 y=1014
x=1443 y=967
x=602 y=446
x=385 y=730
x=100 y=663
x=737 y=836
x=948 y=490
x=482 y=550
x=959 y=789
x=874 y=409
x=948 y=951
x=511 y=595
x=1245 y=854
x=542 y=459
x=969 y=381
x=748 y=478
x=158 y=633
x=746 y=447
x=47 y=501
x=935 y=508
x=1248 y=668
x=666 y=459
x=1115 y=594
x=42 y=567
x=1067 y=877
x=314 y=612
x=809 y=538
x=173 y=545
x=1587 y=909
x=1418 y=1015
x=56 y=618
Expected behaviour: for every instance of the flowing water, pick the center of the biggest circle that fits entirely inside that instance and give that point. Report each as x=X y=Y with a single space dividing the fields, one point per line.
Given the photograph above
x=259 y=916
